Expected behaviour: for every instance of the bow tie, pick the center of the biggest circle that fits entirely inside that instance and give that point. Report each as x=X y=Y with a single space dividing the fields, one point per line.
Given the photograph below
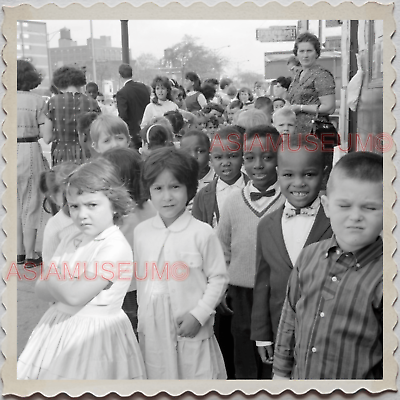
x=292 y=212
x=254 y=196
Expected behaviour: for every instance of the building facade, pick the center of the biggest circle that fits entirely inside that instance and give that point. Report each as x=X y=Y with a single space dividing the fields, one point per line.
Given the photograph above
x=32 y=46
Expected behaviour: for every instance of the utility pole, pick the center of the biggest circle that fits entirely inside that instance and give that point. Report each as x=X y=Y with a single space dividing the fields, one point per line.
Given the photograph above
x=125 y=41
x=93 y=53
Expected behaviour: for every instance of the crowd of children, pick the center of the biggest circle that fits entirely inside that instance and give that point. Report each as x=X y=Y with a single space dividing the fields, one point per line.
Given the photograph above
x=237 y=262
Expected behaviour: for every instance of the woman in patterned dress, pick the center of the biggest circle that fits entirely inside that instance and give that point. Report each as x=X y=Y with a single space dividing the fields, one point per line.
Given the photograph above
x=62 y=111
x=30 y=163
x=313 y=87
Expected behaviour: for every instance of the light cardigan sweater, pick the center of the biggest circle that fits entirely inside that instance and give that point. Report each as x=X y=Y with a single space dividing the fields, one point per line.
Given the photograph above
x=157 y=110
x=187 y=241
x=237 y=231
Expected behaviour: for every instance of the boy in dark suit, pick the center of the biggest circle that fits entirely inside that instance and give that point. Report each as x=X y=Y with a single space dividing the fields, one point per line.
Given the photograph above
x=283 y=234
x=132 y=99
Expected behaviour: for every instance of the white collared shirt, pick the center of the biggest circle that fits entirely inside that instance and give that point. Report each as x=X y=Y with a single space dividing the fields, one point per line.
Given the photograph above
x=223 y=190
x=296 y=229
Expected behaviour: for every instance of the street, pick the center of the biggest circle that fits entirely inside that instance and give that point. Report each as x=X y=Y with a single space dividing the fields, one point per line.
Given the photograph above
x=29 y=307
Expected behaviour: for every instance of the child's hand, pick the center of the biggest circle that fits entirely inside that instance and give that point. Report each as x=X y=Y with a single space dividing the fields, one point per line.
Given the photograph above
x=223 y=307
x=266 y=354
x=188 y=326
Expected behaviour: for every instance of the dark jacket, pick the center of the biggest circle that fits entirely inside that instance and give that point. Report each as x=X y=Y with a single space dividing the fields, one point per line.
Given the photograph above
x=205 y=204
x=273 y=267
x=132 y=99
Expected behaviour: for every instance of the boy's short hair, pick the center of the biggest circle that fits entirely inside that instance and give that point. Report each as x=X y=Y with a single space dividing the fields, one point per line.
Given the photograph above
x=264 y=132
x=224 y=83
x=109 y=123
x=360 y=165
x=230 y=132
x=310 y=143
x=92 y=85
x=176 y=120
x=208 y=91
x=284 y=81
x=211 y=81
x=263 y=101
x=249 y=118
x=203 y=136
x=284 y=112
x=125 y=70
x=181 y=164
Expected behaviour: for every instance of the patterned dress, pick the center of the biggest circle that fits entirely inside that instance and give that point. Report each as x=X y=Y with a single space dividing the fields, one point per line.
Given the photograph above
x=315 y=83
x=30 y=160
x=63 y=110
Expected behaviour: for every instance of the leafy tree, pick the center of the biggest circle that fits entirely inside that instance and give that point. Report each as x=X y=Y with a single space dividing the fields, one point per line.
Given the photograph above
x=247 y=79
x=188 y=55
x=145 y=68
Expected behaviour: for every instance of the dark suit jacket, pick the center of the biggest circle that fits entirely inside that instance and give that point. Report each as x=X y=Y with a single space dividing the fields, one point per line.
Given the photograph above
x=273 y=267
x=205 y=202
x=132 y=99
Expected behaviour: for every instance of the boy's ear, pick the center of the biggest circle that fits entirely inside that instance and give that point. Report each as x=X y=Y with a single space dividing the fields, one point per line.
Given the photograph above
x=325 y=203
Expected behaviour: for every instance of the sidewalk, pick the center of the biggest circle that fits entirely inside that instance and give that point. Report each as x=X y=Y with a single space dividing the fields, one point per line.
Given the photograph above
x=29 y=307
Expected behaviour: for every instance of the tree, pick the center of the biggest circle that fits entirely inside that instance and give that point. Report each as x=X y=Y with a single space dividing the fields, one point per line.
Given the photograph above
x=190 y=56
x=145 y=68
x=247 y=79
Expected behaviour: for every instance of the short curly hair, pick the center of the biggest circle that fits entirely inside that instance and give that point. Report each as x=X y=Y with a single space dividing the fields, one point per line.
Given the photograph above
x=310 y=38
x=68 y=76
x=101 y=175
x=27 y=76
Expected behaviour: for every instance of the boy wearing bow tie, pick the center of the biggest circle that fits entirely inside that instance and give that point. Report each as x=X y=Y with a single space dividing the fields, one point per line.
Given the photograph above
x=283 y=234
x=237 y=233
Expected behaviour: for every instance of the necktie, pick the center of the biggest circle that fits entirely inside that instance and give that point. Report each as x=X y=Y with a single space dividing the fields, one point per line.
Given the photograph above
x=254 y=196
x=292 y=212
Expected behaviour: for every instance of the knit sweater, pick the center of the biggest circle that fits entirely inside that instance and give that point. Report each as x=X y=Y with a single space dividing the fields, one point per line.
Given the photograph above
x=157 y=110
x=237 y=231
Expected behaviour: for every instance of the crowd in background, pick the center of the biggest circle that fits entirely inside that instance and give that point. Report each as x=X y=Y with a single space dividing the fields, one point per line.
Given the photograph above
x=160 y=162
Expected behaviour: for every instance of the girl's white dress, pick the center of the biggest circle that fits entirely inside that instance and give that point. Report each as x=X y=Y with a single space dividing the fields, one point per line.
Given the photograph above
x=189 y=259
x=94 y=341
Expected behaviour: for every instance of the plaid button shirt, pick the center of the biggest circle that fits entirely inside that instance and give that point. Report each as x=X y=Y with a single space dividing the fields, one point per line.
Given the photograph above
x=331 y=325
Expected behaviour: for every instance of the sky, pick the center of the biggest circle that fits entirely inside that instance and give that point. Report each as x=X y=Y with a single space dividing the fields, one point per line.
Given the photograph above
x=234 y=41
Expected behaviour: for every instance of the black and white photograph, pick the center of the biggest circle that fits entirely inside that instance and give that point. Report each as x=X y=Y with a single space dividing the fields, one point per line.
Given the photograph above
x=199 y=198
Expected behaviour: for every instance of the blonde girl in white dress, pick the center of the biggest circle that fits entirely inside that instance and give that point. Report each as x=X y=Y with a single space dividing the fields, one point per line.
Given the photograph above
x=181 y=275
x=85 y=334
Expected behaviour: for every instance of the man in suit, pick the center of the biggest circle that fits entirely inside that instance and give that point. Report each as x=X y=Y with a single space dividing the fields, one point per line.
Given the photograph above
x=132 y=99
x=282 y=235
